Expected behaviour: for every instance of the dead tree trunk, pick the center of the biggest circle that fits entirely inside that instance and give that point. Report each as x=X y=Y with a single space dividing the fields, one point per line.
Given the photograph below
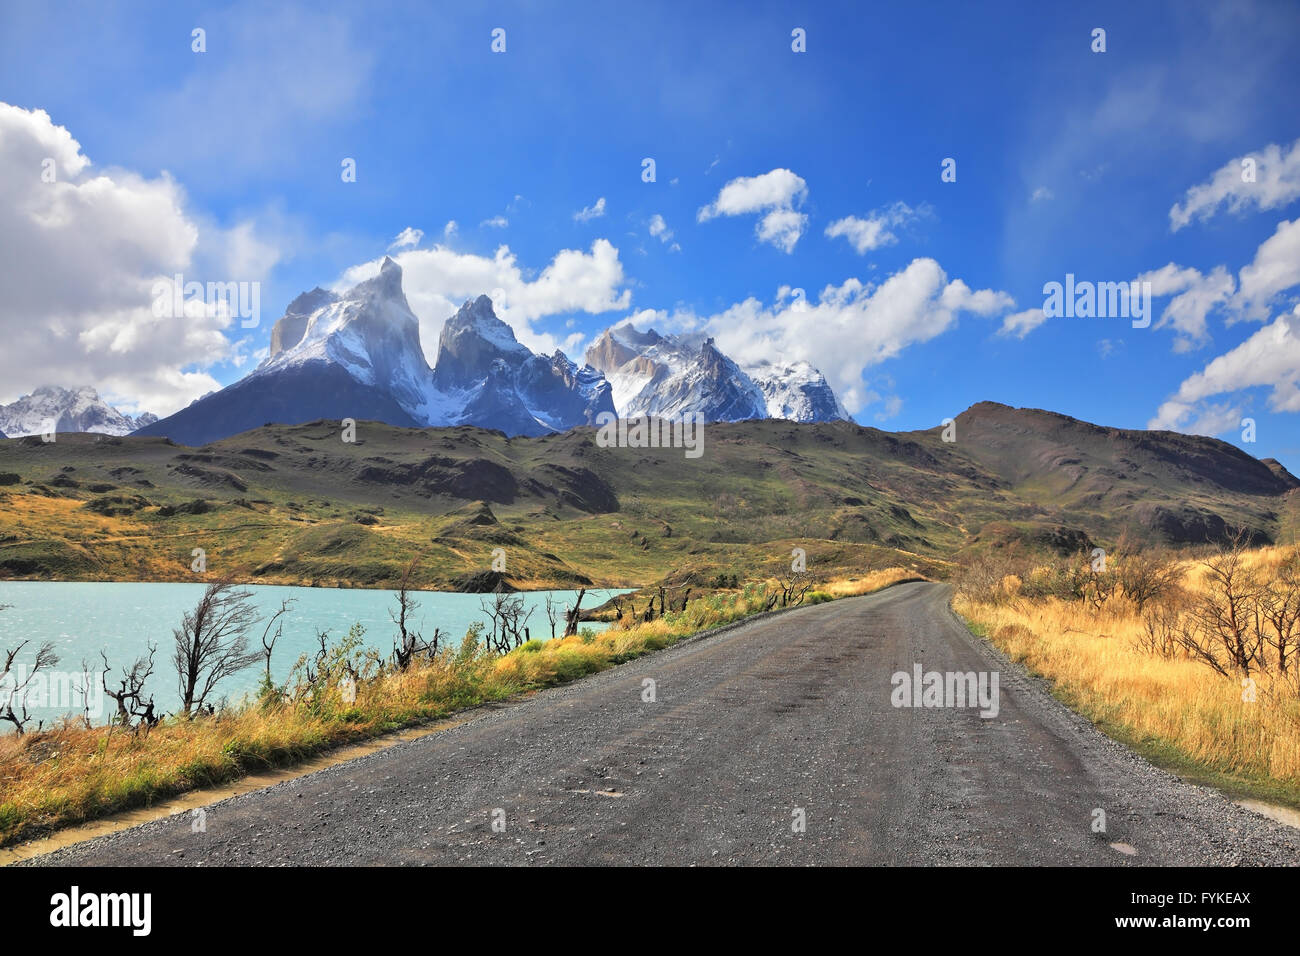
x=571 y=624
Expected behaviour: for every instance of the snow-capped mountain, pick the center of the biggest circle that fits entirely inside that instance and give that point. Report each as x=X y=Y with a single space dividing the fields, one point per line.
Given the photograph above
x=72 y=410
x=369 y=331
x=672 y=375
x=358 y=355
x=796 y=392
x=531 y=392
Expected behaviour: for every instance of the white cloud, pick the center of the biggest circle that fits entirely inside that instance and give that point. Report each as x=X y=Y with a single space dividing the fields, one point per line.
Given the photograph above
x=1210 y=418
x=749 y=194
x=659 y=230
x=79 y=258
x=438 y=280
x=1275 y=269
x=450 y=229
x=876 y=230
x=1194 y=296
x=782 y=228
x=1042 y=194
x=1270 y=357
x=1020 y=324
x=774 y=193
x=407 y=238
x=594 y=211
x=496 y=222
x=1277 y=182
x=853 y=326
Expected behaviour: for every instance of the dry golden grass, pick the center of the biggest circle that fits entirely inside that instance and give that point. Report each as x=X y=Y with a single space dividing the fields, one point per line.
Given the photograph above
x=72 y=773
x=1177 y=711
x=872 y=581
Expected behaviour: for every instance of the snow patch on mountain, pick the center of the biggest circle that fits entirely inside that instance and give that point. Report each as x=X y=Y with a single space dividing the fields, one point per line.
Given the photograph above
x=672 y=375
x=72 y=410
x=796 y=391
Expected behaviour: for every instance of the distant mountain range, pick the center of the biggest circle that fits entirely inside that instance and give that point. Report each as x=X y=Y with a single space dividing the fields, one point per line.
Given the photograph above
x=72 y=410
x=670 y=375
x=358 y=355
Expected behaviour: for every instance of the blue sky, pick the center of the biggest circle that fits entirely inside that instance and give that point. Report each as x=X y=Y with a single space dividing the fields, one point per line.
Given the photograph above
x=226 y=165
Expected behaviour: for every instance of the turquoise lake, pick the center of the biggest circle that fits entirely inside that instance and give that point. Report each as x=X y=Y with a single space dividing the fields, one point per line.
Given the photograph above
x=80 y=619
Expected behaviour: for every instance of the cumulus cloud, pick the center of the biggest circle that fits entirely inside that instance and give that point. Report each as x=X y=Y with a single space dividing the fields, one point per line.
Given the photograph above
x=438 y=280
x=1269 y=358
x=874 y=231
x=407 y=238
x=775 y=195
x=853 y=326
x=79 y=261
x=1276 y=183
x=1020 y=324
x=496 y=222
x=1194 y=296
x=450 y=229
x=1275 y=269
x=594 y=211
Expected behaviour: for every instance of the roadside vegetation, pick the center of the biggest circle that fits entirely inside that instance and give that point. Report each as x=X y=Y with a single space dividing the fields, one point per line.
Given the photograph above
x=343 y=692
x=1195 y=662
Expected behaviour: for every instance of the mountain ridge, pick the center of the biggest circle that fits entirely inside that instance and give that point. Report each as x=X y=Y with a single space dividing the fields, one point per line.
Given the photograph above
x=295 y=504
x=71 y=409
x=360 y=349
x=669 y=375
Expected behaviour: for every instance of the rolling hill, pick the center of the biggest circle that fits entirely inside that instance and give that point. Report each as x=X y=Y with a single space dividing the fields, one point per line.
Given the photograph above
x=297 y=504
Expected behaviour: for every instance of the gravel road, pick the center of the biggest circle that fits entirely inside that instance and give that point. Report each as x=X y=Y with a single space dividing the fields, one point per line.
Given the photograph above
x=752 y=730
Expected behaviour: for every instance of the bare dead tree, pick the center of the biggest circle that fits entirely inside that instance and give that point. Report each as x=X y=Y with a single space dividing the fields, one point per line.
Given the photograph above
x=794 y=586
x=1161 y=630
x=129 y=695
x=82 y=686
x=212 y=643
x=269 y=646
x=1099 y=585
x=346 y=662
x=507 y=619
x=409 y=643
x=648 y=614
x=554 y=611
x=1147 y=576
x=1219 y=632
x=571 y=617
x=1278 y=613
x=979 y=576
x=515 y=620
x=313 y=669
x=667 y=603
x=14 y=689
